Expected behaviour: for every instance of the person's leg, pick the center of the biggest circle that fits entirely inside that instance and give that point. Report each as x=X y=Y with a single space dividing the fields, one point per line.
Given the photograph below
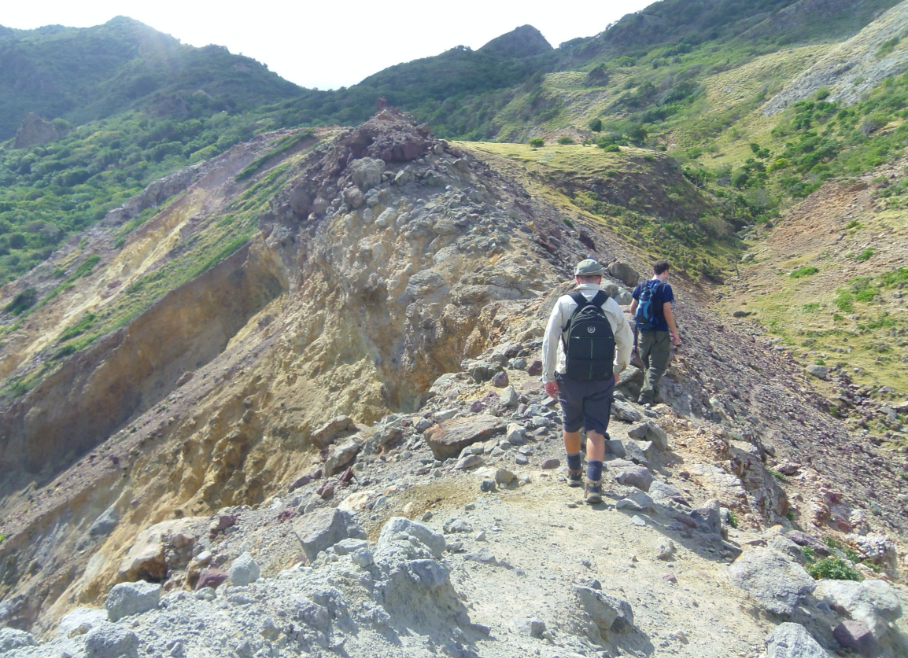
x=659 y=354
x=572 y=412
x=597 y=407
x=647 y=339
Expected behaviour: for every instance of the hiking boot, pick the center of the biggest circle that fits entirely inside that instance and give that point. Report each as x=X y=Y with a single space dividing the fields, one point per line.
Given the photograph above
x=593 y=491
x=645 y=398
x=575 y=478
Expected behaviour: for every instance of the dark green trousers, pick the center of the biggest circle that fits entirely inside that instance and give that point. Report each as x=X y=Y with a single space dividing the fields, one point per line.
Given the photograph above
x=655 y=348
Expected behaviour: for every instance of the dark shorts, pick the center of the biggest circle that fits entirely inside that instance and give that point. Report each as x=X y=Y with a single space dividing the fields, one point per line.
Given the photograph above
x=585 y=404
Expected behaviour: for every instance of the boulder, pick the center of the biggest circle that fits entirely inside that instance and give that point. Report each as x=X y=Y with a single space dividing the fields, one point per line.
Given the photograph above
x=399 y=529
x=803 y=539
x=501 y=379
x=325 y=527
x=509 y=398
x=535 y=368
x=449 y=438
x=820 y=372
x=659 y=491
x=873 y=602
x=625 y=412
x=132 y=599
x=244 y=570
x=12 y=639
x=855 y=636
x=636 y=476
x=366 y=173
x=80 y=621
x=775 y=583
x=515 y=435
x=111 y=641
x=609 y=613
x=340 y=455
x=615 y=447
x=326 y=434
x=624 y=273
x=793 y=641
x=649 y=431
x=530 y=627
x=145 y=559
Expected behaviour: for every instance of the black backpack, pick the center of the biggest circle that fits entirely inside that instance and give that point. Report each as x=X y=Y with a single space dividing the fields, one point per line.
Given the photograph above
x=589 y=346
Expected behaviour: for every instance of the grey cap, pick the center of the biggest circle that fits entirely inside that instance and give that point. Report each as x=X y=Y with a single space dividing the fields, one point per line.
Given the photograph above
x=588 y=267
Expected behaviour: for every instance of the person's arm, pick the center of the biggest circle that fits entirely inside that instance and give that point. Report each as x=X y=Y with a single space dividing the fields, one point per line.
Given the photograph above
x=670 y=320
x=550 y=349
x=624 y=342
x=633 y=307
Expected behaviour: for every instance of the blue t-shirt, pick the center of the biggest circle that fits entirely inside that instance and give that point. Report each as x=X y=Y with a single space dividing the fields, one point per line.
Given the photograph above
x=662 y=292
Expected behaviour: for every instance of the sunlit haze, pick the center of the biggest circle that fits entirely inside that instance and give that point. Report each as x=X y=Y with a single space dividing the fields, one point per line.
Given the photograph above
x=333 y=44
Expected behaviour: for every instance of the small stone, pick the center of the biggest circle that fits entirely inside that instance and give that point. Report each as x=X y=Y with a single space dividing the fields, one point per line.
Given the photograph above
x=362 y=557
x=509 y=397
x=500 y=380
x=205 y=594
x=480 y=536
x=457 y=525
x=549 y=464
x=638 y=520
x=670 y=578
x=521 y=460
x=212 y=578
x=483 y=555
x=504 y=476
x=535 y=368
x=531 y=627
x=476 y=407
x=468 y=462
x=790 y=640
x=636 y=476
x=487 y=486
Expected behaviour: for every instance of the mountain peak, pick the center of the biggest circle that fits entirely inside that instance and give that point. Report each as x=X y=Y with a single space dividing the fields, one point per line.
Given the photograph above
x=524 y=41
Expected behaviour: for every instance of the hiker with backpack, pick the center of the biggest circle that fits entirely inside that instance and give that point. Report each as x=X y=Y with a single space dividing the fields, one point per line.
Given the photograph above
x=587 y=344
x=655 y=323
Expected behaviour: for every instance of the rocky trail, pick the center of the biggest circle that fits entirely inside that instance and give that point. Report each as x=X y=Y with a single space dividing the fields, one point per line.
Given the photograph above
x=369 y=466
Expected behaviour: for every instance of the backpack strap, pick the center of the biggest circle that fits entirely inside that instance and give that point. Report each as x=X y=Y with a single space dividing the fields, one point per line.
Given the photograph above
x=600 y=298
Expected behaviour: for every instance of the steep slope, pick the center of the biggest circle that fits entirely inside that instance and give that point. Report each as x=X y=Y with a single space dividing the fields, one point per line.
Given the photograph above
x=344 y=298
x=84 y=74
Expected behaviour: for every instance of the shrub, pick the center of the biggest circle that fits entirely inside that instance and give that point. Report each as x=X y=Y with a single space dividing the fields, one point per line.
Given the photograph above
x=732 y=518
x=832 y=568
x=865 y=255
x=611 y=148
x=887 y=47
x=565 y=140
x=537 y=142
x=22 y=302
x=803 y=271
x=596 y=125
x=16 y=241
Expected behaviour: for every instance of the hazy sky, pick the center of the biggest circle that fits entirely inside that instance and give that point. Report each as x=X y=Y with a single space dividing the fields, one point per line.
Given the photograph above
x=331 y=44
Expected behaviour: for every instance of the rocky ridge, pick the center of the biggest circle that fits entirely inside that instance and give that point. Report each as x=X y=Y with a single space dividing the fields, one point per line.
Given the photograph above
x=404 y=287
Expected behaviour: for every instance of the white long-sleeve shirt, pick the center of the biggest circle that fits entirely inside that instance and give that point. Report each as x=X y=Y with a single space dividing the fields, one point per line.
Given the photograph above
x=552 y=350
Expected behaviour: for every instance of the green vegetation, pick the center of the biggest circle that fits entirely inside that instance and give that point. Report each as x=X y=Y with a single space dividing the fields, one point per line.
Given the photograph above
x=732 y=518
x=887 y=47
x=537 y=142
x=830 y=568
x=282 y=147
x=803 y=271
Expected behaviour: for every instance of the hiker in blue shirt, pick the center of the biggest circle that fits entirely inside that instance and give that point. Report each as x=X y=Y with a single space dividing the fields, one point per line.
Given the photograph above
x=652 y=311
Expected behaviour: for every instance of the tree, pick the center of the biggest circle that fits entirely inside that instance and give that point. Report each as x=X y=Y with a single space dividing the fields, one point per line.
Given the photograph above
x=537 y=142
x=596 y=125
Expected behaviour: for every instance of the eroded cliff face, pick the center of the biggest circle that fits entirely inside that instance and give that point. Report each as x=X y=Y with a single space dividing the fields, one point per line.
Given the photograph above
x=386 y=259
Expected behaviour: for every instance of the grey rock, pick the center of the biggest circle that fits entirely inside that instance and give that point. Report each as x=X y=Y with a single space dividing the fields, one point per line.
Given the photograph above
x=12 y=639
x=504 y=476
x=244 y=570
x=509 y=397
x=708 y=517
x=638 y=520
x=105 y=523
x=625 y=412
x=660 y=491
x=483 y=555
x=340 y=455
x=501 y=379
x=515 y=435
x=649 y=431
x=615 y=447
x=634 y=452
x=452 y=526
x=401 y=529
x=325 y=527
x=873 y=602
x=624 y=273
x=80 y=621
x=362 y=558
x=636 y=476
x=609 y=613
x=666 y=550
x=366 y=172
x=636 y=502
x=468 y=462
x=793 y=641
x=820 y=372
x=487 y=486
x=429 y=574
x=530 y=626
x=776 y=584
x=448 y=439
x=205 y=594
x=111 y=641
x=550 y=464
x=782 y=544
x=132 y=599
